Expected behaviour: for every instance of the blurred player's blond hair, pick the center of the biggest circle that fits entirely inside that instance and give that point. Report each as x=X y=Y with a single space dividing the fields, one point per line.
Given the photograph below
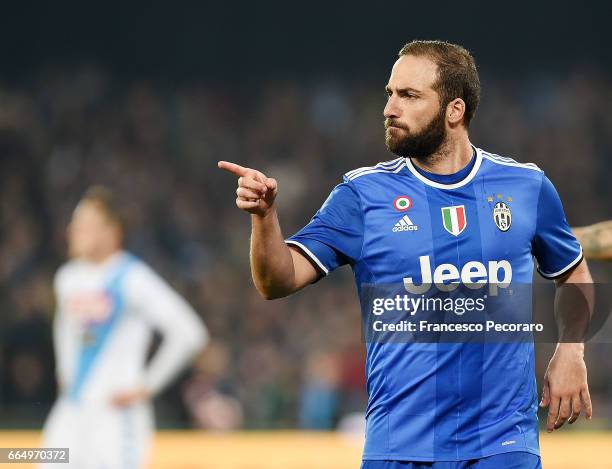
x=104 y=199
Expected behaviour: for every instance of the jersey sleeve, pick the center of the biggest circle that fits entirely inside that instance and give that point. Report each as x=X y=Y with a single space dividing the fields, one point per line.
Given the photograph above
x=334 y=235
x=554 y=246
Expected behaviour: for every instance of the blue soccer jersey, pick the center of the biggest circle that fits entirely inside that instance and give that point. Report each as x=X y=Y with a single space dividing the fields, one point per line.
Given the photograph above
x=392 y=222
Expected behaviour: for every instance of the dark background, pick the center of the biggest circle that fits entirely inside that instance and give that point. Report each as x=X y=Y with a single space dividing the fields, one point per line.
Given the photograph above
x=236 y=41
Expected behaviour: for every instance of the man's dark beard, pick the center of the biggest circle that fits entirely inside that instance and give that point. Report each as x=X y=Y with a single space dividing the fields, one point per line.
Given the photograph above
x=422 y=145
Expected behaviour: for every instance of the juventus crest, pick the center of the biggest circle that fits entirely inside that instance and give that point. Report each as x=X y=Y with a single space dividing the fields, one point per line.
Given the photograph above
x=502 y=216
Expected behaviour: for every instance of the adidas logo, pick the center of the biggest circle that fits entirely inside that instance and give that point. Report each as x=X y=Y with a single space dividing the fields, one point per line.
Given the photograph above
x=405 y=224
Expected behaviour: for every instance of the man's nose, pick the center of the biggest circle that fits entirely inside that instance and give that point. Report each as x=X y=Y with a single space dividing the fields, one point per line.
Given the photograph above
x=391 y=110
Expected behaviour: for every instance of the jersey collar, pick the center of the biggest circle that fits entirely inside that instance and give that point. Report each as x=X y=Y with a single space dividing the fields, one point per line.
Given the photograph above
x=454 y=185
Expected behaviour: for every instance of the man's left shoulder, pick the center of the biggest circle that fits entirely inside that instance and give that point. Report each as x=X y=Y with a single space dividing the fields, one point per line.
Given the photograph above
x=495 y=162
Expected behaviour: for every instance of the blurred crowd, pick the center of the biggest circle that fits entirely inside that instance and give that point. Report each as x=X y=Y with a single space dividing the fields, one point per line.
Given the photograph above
x=296 y=362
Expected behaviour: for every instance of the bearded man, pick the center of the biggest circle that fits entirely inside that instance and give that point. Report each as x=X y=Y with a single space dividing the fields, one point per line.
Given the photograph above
x=442 y=213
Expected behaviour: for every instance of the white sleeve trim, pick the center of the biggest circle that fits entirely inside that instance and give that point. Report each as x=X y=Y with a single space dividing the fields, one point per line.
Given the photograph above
x=309 y=253
x=565 y=269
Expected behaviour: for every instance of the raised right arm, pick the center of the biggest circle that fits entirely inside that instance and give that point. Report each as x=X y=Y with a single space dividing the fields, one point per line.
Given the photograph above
x=277 y=269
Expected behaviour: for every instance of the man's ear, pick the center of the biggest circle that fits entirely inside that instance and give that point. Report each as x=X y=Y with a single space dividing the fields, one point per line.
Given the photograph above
x=455 y=110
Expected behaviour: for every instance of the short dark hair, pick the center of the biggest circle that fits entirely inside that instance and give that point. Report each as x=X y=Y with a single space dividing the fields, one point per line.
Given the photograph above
x=104 y=200
x=457 y=73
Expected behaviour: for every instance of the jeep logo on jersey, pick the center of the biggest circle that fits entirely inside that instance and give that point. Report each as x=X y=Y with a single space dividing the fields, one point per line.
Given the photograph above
x=502 y=216
x=474 y=275
x=454 y=219
x=402 y=203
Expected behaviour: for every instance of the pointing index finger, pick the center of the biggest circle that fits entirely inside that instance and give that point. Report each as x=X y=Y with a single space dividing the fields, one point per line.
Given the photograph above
x=233 y=168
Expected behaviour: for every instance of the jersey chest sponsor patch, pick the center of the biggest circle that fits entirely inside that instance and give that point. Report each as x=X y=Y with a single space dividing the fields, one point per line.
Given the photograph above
x=93 y=307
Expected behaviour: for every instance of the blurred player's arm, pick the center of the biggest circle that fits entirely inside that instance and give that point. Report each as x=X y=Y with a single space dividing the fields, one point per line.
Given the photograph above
x=183 y=332
x=277 y=269
x=59 y=334
x=596 y=240
x=63 y=336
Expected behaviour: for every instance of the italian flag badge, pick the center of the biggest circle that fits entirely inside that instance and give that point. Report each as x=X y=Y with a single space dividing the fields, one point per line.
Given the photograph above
x=454 y=219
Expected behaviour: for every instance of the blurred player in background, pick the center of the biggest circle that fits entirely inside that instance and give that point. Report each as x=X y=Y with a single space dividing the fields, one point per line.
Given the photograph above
x=108 y=305
x=596 y=240
x=445 y=211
